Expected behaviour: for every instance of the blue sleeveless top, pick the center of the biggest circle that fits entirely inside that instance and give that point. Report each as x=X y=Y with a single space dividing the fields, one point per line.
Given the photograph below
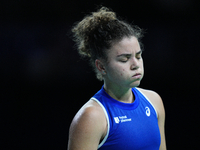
x=131 y=126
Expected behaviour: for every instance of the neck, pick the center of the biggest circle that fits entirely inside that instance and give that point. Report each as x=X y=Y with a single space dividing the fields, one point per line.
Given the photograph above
x=119 y=93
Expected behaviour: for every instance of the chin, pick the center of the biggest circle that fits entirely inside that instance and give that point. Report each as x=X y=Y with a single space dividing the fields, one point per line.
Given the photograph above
x=135 y=84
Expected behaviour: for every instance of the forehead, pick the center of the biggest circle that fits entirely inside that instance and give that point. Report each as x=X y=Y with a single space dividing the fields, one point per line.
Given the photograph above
x=126 y=45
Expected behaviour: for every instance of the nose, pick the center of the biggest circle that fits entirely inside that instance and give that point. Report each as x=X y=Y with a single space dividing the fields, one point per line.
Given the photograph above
x=134 y=64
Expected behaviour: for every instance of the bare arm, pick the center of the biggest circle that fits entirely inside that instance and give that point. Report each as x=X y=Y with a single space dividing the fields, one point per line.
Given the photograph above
x=161 y=123
x=87 y=129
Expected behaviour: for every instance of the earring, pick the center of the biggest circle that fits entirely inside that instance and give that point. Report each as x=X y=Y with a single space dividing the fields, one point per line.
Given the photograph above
x=104 y=72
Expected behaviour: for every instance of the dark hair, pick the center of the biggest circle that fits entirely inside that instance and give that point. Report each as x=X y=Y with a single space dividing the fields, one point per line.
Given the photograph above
x=95 y=34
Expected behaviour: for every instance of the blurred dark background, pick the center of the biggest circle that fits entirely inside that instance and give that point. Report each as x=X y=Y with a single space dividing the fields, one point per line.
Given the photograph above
x=44 y=82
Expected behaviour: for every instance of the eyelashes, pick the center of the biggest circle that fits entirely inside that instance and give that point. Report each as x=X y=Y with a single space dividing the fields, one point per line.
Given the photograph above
x=124 y=60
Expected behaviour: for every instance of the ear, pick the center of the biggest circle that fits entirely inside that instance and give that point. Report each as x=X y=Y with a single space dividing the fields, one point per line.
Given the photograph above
x=100 y=66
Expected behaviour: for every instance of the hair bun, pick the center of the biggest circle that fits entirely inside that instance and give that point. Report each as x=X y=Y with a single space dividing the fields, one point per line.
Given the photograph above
x=83 y=31
x=104 y=15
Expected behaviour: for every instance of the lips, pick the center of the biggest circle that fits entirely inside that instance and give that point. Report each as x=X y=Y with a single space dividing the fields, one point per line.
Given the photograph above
x=137 y=76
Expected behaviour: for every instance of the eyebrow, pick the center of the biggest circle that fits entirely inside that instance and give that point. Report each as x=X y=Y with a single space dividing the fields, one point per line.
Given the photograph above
x=128 y=55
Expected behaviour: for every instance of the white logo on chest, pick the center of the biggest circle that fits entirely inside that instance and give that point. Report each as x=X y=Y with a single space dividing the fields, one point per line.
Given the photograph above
x=148 y=112
x=116 y=119
x=122 y=119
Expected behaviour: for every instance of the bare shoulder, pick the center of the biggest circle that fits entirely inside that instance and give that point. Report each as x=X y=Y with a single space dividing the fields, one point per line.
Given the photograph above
x=91 y=110
x=155 y=100
x=88 y=127
x=152 y=95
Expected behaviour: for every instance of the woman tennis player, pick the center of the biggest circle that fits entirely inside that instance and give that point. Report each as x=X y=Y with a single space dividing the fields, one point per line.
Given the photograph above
x=120 y=116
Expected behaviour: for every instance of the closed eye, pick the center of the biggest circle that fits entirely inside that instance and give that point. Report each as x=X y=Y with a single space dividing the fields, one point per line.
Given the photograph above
x=125 y=58
x=139 y=55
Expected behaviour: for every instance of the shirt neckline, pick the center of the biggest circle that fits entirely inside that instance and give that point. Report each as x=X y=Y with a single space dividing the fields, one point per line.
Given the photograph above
x=119 y=104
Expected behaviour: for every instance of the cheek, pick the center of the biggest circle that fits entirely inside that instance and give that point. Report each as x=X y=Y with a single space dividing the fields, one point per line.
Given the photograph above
x=142 y=67
x=118 y=73
x=122 y=72
x=116 y=70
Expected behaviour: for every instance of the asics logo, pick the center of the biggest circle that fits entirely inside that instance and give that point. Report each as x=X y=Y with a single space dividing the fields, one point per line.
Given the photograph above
x=148 y=112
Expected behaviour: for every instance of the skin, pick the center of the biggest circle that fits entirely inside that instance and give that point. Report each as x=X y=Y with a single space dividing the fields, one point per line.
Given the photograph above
x=124 y=63
x=123 y=71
